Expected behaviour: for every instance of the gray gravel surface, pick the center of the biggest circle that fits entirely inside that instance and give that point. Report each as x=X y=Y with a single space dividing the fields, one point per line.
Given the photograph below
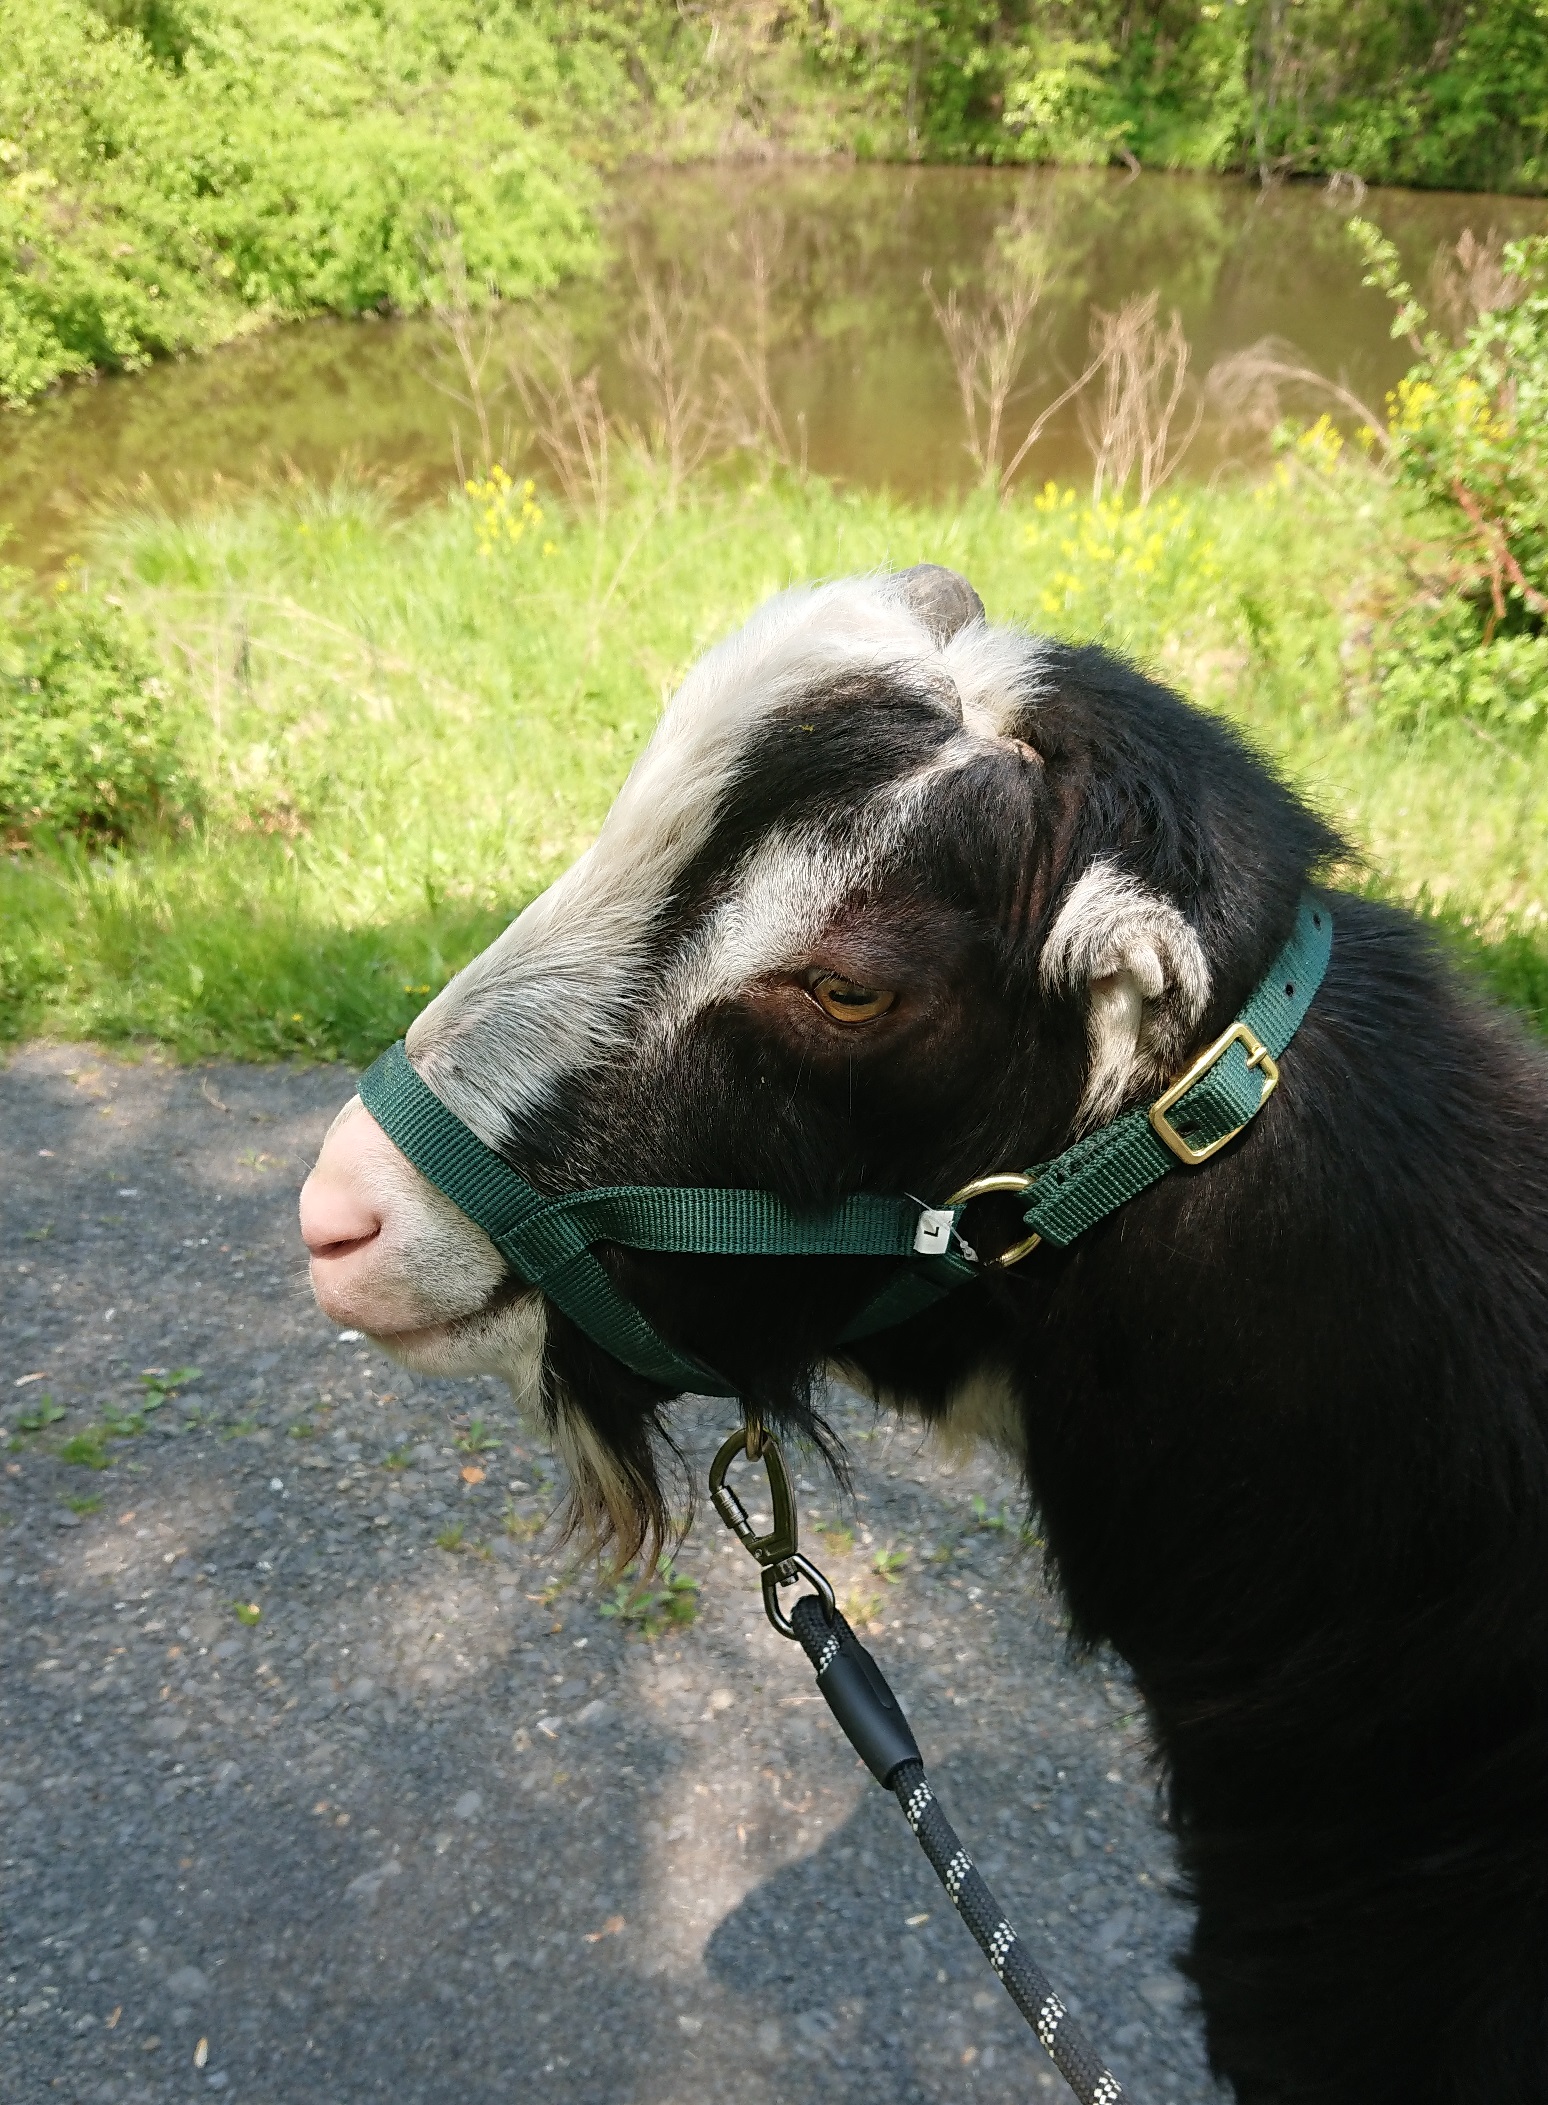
x=325 y=1777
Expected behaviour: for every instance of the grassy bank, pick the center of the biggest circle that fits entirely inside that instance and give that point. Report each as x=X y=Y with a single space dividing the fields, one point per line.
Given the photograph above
x=175 y=172
x=391 y=733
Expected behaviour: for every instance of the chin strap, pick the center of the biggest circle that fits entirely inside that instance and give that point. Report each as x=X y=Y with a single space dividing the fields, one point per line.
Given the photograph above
x=550 y=1242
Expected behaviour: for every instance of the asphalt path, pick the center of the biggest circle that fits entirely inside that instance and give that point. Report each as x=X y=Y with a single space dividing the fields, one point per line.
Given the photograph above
x=325 y=1775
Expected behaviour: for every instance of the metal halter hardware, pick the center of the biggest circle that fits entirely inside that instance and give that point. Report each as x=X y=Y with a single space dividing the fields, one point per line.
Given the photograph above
x=550 y=1241
x=778 y=1552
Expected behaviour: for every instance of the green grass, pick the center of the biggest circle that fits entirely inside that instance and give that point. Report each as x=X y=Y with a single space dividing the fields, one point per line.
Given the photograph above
x=88 y=1450
x=653 y=1608
x=400 y=739
x=45 y=1412
x=476 y=1440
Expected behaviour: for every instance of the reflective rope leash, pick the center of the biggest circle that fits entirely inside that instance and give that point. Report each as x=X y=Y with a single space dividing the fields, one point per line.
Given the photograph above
x=857 y=1693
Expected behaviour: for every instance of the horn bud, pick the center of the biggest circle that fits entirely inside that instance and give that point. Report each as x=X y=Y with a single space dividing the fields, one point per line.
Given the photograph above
x=943 y=601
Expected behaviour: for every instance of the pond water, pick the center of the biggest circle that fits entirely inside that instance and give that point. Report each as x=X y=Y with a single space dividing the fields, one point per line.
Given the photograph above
x=806 y=281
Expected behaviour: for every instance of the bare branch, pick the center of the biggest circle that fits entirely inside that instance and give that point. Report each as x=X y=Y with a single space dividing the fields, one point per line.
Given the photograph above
x=666 y=346
x=1248 y=389
x=568 y=421
x=1144 y=369
x=1468 y=280
x=472 y=340
x=750 y=406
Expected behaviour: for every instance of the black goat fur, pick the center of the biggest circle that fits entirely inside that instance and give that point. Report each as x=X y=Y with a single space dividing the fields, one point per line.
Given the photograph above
x=1285 y=1416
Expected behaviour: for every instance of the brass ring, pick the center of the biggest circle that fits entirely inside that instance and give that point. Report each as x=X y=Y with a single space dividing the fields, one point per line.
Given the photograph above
x=1002 y=1180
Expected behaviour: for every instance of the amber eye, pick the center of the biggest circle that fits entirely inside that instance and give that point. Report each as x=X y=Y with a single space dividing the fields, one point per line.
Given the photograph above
x=845 y=1002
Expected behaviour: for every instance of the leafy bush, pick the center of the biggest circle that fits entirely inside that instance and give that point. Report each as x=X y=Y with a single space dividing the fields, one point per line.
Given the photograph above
x=1467 y=437
x=173 y=170
x=1383 y=92
x=1433 y=664
x=165 y=175
x=86 y=737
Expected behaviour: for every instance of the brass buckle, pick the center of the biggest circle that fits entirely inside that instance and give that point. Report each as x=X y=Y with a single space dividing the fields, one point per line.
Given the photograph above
x=1002 y=1180
x=1258 y=1055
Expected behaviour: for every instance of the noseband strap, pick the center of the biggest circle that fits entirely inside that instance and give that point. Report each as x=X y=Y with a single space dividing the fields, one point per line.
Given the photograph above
x=550 y=1242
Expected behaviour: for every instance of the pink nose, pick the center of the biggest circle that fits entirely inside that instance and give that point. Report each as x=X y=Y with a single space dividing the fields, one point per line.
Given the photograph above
x=334 y=1220
x=337 y=1217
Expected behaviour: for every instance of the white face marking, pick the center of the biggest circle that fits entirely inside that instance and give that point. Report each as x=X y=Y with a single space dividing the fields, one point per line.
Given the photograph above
x=789 y=892
x=563 y=983
x=1145 y=974
x=792 y=887
x=566 y=982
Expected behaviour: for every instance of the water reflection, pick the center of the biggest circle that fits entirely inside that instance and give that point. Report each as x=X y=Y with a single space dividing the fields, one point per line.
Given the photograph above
x=814 y=276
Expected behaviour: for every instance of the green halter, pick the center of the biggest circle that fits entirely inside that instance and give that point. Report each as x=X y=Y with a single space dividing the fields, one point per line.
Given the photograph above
x=549 y=1243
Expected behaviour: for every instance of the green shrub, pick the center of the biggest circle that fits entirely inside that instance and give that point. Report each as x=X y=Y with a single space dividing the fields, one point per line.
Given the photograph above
x=86 y=735
x=1467 y=440
x=166 y=176
x=1361 y=86
x=1433 y=663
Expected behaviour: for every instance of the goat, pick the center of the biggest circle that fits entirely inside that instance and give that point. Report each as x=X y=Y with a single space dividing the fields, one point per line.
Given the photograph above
x=894 y=898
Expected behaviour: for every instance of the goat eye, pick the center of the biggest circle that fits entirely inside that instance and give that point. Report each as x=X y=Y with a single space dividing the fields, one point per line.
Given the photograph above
x=846 y=1003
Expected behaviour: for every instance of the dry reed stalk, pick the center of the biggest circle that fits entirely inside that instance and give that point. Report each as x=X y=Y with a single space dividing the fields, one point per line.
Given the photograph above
x=1468 y=280
x=667 y=346
x=472 y=340
x=986 y=343
x=569 y=424
x=1144 y=368
x=989 y=340
x=749 y=407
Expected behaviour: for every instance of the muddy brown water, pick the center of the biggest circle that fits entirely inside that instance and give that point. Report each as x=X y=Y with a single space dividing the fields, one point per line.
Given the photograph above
x=859 y=376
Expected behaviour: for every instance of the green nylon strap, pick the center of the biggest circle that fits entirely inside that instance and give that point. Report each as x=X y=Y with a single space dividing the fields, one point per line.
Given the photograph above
x=1109 y=1167
x=549 y=1241
x=909 y=1293
x=503 y=1204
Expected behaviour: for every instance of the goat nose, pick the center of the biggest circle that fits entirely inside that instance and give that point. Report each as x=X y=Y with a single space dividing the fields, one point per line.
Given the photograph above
x=335 y=1219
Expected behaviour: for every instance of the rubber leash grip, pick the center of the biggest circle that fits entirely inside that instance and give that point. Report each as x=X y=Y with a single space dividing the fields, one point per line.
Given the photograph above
x=855 y=1690
x=858 y=1696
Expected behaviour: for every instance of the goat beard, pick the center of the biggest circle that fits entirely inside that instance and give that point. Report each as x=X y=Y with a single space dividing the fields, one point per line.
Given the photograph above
x=631 y=1496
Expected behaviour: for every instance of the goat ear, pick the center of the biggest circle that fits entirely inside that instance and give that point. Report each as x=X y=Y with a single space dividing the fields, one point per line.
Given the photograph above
x=1144 y=976
x=943 y=601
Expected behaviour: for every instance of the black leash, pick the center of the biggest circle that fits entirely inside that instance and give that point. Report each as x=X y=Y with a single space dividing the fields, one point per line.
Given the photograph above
x=856 y=1691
